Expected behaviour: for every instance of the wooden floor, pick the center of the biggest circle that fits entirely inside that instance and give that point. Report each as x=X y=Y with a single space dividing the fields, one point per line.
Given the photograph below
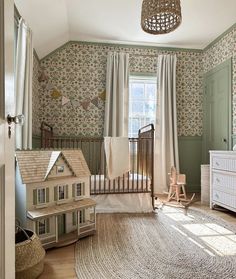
x=60 y=262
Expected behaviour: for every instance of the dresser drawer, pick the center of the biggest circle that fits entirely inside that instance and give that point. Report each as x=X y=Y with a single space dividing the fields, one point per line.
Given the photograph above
x=224 y=198
x=224 y=182
x=228 y=164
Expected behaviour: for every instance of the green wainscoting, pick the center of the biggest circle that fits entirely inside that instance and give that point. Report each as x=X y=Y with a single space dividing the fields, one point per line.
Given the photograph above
x=36 y=142
x=190 y=157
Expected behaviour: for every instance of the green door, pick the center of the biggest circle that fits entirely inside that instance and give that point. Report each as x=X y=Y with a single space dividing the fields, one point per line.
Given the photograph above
x=61 y=224
x=217 y=130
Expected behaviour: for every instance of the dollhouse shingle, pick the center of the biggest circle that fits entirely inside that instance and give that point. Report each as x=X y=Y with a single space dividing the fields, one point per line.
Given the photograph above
x=35 y=165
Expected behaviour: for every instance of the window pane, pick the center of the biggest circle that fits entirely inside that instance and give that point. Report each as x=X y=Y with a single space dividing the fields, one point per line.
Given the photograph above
x=41 y=196
x=78 y=193
x=61 y=193
x=137 y=91
x=151 y=91
x=137 y=107
x=150 y=108
x=42 y=227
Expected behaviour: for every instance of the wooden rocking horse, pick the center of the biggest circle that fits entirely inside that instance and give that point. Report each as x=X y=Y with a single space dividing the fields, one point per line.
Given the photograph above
x=177 y=189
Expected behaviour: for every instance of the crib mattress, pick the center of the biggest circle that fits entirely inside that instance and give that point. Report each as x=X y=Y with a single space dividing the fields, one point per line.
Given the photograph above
x=132 y=183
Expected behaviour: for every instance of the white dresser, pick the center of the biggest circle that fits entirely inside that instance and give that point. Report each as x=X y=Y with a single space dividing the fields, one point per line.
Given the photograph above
x=223 y=179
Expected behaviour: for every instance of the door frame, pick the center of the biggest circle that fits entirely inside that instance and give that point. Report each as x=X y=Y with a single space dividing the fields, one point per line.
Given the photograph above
x=7 y=144
x=226 y=64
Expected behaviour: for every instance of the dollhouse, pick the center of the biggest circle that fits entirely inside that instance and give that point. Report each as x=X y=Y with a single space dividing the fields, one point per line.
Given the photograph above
x=53 y=195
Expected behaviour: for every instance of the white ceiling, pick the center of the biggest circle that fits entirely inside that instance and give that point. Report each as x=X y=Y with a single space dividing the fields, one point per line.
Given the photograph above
x=54 y=22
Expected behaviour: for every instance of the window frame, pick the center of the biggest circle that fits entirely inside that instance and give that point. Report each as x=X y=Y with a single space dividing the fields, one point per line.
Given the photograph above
x=46 y=224
x=143 y=78
x=82 y=190
x=58 y=192
x=38 y=195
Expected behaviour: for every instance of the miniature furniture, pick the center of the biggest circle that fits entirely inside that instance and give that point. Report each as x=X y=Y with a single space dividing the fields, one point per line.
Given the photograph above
x=177 y=186
x=223 y=179
x=53 y=195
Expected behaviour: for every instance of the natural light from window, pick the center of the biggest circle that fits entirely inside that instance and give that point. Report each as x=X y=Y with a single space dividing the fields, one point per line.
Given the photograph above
x=142 y=102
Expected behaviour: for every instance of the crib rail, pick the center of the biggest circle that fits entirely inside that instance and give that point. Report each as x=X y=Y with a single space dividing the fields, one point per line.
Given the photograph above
x=138 y=180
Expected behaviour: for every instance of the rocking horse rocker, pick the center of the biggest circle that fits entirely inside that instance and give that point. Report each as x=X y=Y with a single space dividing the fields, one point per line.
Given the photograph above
x=177 y=189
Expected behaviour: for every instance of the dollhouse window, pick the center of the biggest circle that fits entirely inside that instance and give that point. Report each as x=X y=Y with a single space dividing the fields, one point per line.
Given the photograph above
x=43 y=226
x=61 y=192
x=60 y=169
x=41 y=196
x=82 y=216
x=79 y=189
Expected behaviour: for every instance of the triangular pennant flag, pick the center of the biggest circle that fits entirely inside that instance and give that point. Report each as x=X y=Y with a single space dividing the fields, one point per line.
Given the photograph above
x=75 y=103
x=85 y=104
x=55 y=94
x=102 y=95
x=95 y=101
x=64 y=100
x=49 y=86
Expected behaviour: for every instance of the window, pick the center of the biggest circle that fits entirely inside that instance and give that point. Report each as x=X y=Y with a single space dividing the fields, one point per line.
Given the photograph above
x=82 y=216
x=79 y=189
x=60 y=169
x=41 y=196
x=43 y=226
x=61 y=192
x=142 y=103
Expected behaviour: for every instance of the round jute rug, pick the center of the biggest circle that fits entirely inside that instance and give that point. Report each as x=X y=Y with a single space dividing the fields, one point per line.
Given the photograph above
x=163 y=245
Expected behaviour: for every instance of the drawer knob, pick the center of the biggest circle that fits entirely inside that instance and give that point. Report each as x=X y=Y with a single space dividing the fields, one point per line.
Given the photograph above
x=217 y=179
x=217 y=163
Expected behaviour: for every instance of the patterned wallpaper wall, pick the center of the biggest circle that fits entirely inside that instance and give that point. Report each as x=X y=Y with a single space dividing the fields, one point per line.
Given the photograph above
x=224 y=49
x=77 y=74
x=36 y=97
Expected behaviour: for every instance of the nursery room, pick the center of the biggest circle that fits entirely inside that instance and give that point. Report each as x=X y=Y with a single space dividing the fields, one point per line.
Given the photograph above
x=118 y=139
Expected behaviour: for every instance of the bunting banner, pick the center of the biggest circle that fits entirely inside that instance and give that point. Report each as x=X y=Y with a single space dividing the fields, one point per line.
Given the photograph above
x=75 y=103
x=85 y=104
x=55 y=94
x=95 y=101
x=102 y=95
x=64 y=100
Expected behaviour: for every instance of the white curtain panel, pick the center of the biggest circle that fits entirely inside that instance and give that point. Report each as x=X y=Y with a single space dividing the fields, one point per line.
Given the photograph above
x=166 y=137
x=23 y=85
x=117 y=95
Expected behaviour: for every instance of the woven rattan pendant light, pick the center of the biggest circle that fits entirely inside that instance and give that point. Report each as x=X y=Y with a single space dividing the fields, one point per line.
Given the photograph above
x=160 y=16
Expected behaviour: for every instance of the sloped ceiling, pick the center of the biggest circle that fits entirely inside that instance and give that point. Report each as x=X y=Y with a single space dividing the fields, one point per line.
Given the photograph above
x=54 y=22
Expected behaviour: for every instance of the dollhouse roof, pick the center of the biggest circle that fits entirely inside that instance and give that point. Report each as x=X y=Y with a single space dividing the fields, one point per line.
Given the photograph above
x=35 y=165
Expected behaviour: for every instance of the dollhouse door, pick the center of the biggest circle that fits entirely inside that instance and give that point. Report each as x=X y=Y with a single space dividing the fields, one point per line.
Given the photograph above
x=7 y=143
x=61 y=221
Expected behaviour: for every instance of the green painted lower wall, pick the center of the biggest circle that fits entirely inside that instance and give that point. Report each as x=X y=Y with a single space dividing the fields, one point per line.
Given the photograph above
x=36 y=142
x=190 y=157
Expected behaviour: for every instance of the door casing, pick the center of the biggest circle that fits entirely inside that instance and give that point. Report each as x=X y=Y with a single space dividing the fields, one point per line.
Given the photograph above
x=227 y=65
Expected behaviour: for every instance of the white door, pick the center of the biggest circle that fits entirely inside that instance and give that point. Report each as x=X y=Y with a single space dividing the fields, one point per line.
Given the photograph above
x=7 y=172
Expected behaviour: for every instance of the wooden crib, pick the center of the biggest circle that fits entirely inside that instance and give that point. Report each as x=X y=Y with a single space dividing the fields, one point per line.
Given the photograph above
x=138 y=180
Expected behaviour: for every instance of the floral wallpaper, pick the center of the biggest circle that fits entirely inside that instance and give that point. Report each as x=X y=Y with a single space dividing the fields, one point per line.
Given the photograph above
x=221 y=51
x=72 y=100
x=36 y=121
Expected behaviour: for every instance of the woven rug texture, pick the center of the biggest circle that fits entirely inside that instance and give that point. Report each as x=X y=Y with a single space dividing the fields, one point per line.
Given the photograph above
x=165 y=245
